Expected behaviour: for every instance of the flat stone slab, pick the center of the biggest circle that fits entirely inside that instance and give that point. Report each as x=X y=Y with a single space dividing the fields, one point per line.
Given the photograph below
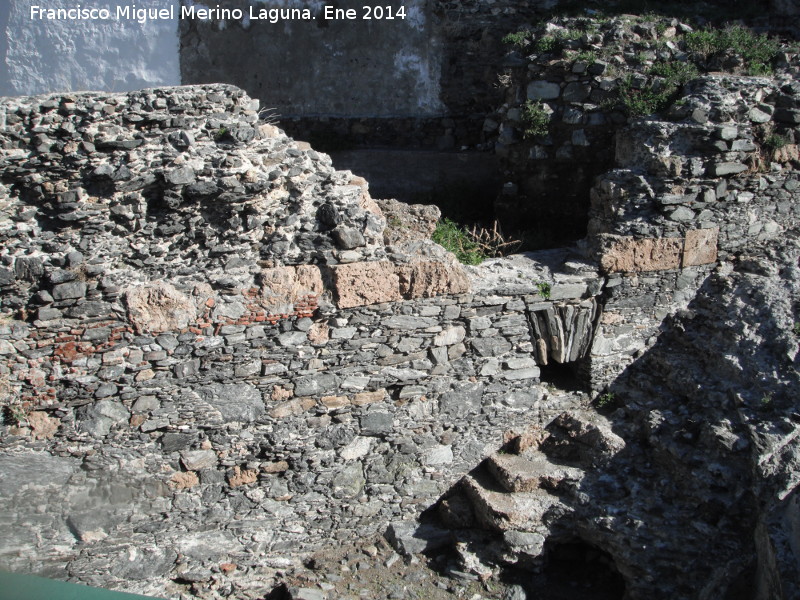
x=567 y=275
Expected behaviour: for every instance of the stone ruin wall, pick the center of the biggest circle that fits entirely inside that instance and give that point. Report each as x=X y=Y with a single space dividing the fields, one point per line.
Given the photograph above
x=686 y=195
x=157 y=332
x=179 y=331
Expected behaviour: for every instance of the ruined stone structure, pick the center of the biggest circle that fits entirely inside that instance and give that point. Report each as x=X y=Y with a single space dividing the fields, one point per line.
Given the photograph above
x=218 y=352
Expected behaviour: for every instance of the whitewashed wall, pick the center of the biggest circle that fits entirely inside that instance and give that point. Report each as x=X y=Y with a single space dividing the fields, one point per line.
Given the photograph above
x=39 y=56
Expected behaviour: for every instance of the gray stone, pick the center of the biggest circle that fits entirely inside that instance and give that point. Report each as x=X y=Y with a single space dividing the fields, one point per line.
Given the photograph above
x=438 y=455
x=297 y=593
x=196 y=460
x=449 y=336
x=174 y=442
x=524 y=362
x=247 y=369
x=409 y=538
x=229 y=310
x=404 y=322
x=727 y=168
x=105 y=390
x=348 y=238
x=532 y=373
x=272 y=369
x=28 y=268
x=143 y=562
x=759 y=116
x=576 y=92
x=515 y=592
x=97 y=419
x=291 y=339
x=187 y=369
x=543 y=90
x=235 y=401
x=181 y=176
x=682 y=213
x=465 y=398
x=494 y=346
x=34 y=468
x=349 y=482
x=376 y=423
x=315 y=385
x=70 y=290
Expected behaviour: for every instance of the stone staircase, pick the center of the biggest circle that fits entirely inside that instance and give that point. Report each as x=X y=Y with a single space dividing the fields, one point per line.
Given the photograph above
x=525 y=490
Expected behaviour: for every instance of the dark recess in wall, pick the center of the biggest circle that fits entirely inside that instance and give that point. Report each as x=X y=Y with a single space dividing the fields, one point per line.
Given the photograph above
x=577 y=570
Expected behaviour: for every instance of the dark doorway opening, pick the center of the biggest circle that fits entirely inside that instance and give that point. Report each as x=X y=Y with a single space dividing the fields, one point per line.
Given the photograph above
x=577 y=570
x=565 y=376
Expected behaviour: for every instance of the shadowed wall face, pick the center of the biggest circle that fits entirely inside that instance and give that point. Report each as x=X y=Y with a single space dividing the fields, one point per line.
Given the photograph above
x=301 y=63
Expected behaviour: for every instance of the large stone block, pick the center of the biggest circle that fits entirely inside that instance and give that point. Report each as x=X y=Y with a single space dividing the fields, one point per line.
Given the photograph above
x=426 y=278
x=159 y=307
x=365 y=283
x=700 y=247
x=282 y=287
x=629 y=255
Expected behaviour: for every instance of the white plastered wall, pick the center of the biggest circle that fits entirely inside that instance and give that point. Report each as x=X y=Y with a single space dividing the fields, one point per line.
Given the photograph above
x=40 y=56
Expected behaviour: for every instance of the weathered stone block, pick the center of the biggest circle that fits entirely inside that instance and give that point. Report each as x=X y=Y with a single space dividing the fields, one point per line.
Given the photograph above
x=426 y=278
x=292 y=407
x=465 y=398
x=629 y=255
x=282 y=287
x=376 y=423
x=159 y=307
x=700 y=247
x=365 y=283
x=494 y=346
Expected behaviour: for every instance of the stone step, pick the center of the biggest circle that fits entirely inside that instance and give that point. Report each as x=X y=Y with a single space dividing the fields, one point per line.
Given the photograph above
x=581 y=437
x=531 y=471
x=497 y=509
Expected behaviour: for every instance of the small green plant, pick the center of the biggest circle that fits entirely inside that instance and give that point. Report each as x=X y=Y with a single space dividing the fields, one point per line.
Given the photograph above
x=586 y=56
x=650 y=98
x=548 y=44
x=607 y=399
x=545 y=289
x=641 y=102
x=220 y=134
x=458 y=241
x=13 y=411
x=775 y=141
x=535 y=118
x=766 y=401
x=675 y=73
x=394 y=222
x=756 y=50
x=520 y=38
x=796 y=329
